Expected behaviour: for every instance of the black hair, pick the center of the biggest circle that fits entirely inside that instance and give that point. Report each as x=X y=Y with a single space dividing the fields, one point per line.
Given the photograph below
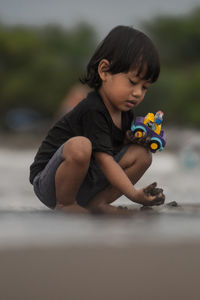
x=126 y=49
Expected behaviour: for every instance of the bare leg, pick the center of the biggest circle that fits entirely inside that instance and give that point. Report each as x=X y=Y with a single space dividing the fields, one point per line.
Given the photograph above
x=135 y=162
x=76 y=153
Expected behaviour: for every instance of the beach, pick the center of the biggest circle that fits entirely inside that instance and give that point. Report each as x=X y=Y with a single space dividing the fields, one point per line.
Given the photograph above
x=54 y=256
x=48 y=255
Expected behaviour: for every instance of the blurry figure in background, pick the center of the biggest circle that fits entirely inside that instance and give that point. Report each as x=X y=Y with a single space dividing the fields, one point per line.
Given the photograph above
x=77 y=93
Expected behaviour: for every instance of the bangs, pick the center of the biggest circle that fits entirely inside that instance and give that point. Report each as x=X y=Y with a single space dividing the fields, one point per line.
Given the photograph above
x=147 y=70
x=148 y=67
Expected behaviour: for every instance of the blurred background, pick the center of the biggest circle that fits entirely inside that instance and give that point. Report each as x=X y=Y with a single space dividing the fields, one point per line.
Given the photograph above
x=44 y=49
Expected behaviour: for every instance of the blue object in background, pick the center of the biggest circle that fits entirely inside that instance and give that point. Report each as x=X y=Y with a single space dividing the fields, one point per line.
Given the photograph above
x=190 y=158
x=22 y=119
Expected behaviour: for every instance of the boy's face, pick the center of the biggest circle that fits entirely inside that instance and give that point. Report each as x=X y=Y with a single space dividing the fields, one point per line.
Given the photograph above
x=123 y=91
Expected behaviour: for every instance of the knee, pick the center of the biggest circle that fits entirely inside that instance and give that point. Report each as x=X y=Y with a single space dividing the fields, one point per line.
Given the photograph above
x=141 y=155
x=145 y=157
x=78 y=150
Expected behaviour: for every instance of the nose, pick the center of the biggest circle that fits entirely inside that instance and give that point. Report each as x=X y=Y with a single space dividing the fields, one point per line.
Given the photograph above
x=137 y=91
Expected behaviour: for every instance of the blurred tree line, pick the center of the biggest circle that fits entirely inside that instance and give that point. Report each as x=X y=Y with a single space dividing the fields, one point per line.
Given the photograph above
x=178 y=88
x=38 y=65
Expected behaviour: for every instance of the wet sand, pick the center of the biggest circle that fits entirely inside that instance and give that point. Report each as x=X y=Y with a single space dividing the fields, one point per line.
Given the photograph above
x=152 y=255
x=94 y=273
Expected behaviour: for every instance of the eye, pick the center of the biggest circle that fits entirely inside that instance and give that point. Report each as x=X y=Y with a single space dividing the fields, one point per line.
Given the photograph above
x=145 y=87
x=132 y=82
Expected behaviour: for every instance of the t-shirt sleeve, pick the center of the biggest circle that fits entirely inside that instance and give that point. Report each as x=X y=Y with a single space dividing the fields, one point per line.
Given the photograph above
x=97 y=129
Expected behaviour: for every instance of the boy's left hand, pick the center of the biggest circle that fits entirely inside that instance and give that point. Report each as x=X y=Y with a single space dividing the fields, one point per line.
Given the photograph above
x=142 y=141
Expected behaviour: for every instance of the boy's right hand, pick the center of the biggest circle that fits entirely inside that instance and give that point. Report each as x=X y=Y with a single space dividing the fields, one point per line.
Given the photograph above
x=142 y=141
x=149 y=196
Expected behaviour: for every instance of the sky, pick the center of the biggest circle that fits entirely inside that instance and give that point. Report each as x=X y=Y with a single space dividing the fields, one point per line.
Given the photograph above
x=103 y=14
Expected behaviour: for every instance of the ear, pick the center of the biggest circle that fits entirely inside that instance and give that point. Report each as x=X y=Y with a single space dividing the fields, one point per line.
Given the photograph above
x=103 y=68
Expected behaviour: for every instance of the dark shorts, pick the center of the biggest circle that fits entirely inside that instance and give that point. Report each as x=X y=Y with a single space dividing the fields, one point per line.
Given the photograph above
x=94 y=182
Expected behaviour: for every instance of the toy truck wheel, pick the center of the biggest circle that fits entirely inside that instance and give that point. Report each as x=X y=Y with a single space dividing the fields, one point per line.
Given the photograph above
x=138 y=133
x=155 y=144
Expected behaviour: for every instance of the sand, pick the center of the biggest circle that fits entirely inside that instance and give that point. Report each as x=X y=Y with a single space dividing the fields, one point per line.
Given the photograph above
x=136 y=272
x=154 y=255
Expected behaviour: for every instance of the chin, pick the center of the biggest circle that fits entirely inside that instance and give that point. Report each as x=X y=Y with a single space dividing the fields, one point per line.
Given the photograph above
x=126 y=108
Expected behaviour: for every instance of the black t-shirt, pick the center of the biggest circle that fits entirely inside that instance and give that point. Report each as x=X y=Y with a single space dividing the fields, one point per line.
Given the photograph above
x=91 y=119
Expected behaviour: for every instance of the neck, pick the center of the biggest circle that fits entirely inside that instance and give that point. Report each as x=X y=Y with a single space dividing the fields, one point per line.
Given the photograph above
x=113 y=111
x=110 y=107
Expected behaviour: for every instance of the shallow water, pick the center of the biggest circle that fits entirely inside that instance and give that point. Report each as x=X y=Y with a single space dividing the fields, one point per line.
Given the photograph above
x=25 y=221
x=180 y=183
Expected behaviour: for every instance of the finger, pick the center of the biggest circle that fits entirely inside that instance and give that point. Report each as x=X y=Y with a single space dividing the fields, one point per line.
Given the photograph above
x=156 y=191
x=144 y=140
x=147 y=190
x=160 y=196
x=155 y=200
x=144 y=134
x=130 y=136
x=150 y=201
x=159 y=200
x=148 y=139
x=159 y=203
x=140 y=141
x=129 y=133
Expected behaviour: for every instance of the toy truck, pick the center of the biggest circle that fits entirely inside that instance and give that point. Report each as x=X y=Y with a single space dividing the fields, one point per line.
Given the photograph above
x=151 y=124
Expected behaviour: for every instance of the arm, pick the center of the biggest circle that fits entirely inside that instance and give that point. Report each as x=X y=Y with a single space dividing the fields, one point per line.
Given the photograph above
x=115 y=174
x=118 y=178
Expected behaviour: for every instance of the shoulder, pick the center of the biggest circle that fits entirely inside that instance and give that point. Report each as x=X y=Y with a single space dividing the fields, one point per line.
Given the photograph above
x=90 y=110
x=94 y=105
x=92 y=102
x=95 y=101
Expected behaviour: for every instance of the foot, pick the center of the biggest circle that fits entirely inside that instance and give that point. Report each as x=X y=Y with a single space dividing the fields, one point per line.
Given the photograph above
x=107 y=209
x=73 y=209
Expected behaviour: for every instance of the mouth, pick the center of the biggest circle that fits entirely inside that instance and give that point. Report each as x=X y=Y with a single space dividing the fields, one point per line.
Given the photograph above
x=131 y=103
